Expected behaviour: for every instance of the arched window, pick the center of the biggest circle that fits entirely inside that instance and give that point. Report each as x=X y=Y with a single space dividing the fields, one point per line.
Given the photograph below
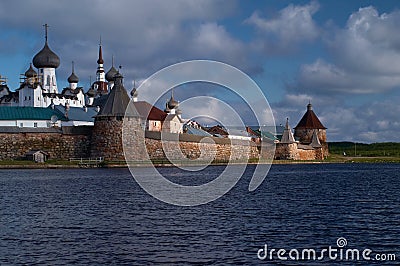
x=48 y=80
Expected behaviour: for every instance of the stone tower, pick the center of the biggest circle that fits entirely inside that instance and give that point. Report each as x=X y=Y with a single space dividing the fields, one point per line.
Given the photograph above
x=118 y=122
x=308 y=126
x=286 y=149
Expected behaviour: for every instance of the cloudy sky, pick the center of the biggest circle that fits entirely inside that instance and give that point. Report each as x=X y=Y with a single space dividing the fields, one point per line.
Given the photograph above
x=343 y=56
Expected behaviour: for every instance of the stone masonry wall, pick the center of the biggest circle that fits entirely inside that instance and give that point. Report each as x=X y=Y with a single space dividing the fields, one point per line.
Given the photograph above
x=107 y=140
x=58 y=145
x=200 y=150
x=285 y=151
x=304 y=135
x=306 y=155
x=293 y=152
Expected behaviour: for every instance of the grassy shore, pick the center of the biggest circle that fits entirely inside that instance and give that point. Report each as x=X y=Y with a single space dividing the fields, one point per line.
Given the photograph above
x=333 y=158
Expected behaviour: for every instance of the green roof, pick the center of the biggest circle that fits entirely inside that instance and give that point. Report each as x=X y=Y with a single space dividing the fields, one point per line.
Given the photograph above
x=29 y=113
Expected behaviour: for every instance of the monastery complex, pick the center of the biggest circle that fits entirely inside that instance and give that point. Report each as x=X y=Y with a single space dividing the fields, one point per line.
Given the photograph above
x=94 y=122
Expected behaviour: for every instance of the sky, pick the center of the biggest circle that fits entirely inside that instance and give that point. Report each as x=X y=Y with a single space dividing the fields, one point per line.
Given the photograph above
x=343 y=56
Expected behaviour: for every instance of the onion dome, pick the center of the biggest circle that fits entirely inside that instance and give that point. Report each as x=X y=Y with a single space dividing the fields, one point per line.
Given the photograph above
x=172 y=103
x=73 y=78
x=134 y=92
x=111 y=73
x=30 y=73
x=91 y=92
x=46 y=58
x=167 y=110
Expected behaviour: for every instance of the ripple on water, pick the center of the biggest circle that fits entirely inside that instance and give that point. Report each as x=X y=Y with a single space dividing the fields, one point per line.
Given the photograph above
x=101 y=216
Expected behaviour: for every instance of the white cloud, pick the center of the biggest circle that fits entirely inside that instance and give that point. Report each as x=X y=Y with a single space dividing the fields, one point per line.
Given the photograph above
x=144 y=36
x=293 y=25
x=365 y=55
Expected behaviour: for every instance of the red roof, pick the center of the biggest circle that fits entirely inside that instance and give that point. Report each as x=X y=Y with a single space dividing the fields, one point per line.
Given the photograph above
x=149 y=111
x=217 y=130
x=310 y=120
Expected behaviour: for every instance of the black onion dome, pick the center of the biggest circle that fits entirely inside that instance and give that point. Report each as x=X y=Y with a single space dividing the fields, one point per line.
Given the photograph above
x=91 y=92
x=134 y=92
x=73 y=78
x=46 y=58
x=30 y=72
x=111 y=73
x=172 y=103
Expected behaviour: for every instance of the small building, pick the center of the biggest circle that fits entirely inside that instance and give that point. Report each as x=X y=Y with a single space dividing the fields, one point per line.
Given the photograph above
x=38 y=156
x=150 y=115
x=173 y=124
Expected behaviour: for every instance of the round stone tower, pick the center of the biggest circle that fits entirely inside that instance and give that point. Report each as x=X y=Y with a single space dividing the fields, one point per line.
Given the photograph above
x=118 y=122
x=309 y=123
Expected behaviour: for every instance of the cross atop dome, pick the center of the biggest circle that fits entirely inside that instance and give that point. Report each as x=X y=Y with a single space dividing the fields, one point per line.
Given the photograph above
x=46 y=26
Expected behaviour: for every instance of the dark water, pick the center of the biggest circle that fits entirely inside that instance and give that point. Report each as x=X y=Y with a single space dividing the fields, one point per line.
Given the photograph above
x=102 y=216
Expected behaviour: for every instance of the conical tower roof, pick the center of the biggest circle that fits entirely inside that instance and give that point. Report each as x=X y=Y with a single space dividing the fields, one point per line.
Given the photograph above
x=117 y=103
x=287 y=136
x=315 y=143
x=310 y=120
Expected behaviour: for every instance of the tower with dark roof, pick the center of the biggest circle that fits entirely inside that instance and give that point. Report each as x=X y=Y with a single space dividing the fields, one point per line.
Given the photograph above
x=47 y=61
x=117 y=128
x=100 y=86
x=308 y=126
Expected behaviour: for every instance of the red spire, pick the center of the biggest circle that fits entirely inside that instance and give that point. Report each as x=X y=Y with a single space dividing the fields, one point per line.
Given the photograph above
x=100 y=60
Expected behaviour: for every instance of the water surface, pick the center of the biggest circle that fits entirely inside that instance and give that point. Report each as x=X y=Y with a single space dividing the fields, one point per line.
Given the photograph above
x=102 y=216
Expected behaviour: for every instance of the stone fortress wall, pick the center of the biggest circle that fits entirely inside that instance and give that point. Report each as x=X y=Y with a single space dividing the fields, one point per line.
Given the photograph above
x=199 y=148
x=292 y=152
x=77 y=142
x=59 y=144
